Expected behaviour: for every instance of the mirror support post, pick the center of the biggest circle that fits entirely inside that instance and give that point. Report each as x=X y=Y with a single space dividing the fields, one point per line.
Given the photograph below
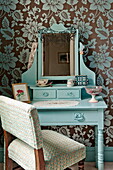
x=39 y=64
x=77 y=67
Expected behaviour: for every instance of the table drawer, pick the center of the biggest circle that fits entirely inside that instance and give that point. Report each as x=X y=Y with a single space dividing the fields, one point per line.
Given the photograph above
x=69 y=117
x=44 y=94
x=68 y=94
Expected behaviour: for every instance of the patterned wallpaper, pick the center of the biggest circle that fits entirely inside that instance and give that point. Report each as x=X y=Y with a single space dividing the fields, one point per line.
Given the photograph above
x=20 y=21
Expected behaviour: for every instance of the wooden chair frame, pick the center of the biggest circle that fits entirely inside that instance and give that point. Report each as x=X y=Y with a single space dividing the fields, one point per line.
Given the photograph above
x=39 y=156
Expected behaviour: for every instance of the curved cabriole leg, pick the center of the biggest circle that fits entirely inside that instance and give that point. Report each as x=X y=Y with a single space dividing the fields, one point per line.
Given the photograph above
x=81 y=165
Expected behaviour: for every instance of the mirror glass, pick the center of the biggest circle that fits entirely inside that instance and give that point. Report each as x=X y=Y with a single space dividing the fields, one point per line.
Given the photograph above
x=58 y=54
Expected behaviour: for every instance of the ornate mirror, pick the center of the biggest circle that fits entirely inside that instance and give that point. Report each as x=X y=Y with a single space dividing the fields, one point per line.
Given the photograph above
x=58 y=56
x=58 y=53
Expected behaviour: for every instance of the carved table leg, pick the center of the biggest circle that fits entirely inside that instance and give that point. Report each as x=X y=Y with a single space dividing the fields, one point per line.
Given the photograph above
x=100 y=150
x=96 y=146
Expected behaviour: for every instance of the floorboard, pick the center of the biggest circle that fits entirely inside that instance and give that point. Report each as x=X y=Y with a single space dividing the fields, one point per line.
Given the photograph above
x=88 y=166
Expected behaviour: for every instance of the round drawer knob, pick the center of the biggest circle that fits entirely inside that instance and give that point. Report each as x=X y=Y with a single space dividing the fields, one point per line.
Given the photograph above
x=45 y=94
x=70 y=94
x=79 y=117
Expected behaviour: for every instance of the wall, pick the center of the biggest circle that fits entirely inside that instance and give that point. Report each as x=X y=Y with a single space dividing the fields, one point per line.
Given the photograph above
x=20 y=21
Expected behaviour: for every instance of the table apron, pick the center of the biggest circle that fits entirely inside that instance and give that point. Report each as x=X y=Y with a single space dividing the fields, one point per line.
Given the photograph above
x=71 y=117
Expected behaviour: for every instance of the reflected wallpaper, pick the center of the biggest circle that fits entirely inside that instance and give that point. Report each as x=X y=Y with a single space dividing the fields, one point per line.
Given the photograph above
x=20 y=22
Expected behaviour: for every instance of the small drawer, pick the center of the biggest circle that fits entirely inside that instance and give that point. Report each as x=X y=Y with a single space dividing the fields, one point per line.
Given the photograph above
x=44 y=94
x=69 y=94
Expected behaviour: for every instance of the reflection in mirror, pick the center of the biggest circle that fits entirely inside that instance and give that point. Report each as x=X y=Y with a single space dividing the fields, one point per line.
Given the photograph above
x=58 y=54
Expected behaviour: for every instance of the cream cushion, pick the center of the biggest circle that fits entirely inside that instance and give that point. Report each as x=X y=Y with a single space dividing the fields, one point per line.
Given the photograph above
x=59 y=152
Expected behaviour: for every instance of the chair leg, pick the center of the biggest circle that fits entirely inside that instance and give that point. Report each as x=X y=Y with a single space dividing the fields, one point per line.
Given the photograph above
x=18 y=168
x=8 y=164
x=81 y=165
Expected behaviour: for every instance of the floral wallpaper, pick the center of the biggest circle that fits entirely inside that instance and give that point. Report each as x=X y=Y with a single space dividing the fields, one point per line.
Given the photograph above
x=20 y=22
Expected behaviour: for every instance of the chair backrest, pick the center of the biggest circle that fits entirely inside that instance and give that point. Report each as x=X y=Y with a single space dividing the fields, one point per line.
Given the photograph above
x=21 y=120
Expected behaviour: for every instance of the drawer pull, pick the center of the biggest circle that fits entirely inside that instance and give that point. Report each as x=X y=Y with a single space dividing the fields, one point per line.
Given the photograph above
x=79 y=117
x=45 y=94
x=70 y=94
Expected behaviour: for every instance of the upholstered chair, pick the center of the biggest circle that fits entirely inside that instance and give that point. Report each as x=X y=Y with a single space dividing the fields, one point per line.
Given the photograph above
x=33 y=148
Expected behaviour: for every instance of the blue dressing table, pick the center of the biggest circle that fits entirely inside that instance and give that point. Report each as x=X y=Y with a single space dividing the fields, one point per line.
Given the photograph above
x=84 y=113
